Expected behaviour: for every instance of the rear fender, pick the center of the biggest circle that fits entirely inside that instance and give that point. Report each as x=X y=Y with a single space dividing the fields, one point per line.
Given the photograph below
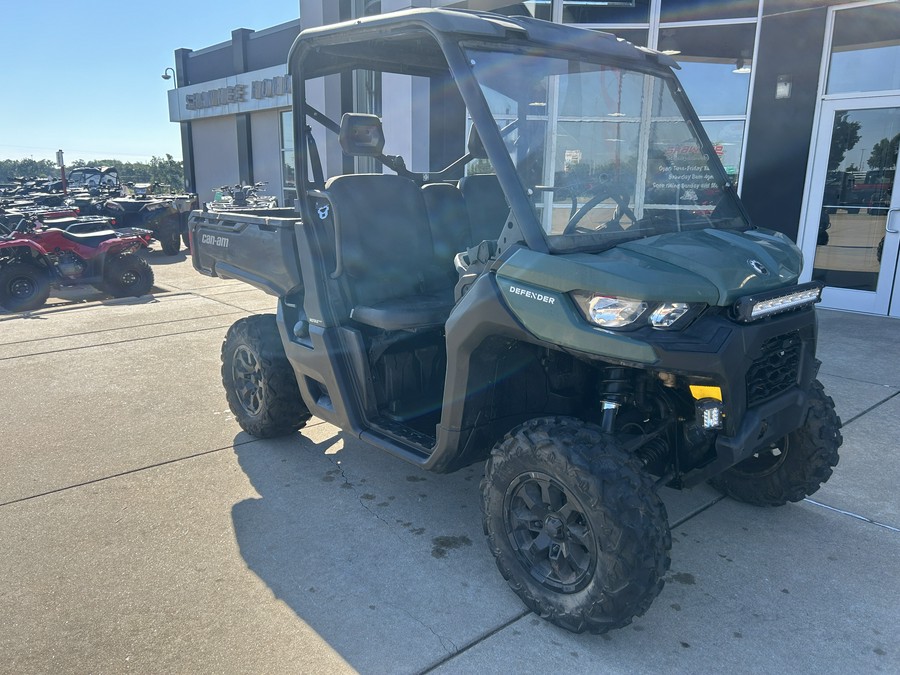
x=120 y=246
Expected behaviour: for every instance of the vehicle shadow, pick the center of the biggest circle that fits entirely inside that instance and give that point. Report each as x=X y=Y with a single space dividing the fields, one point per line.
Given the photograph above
x=384 y=561
x=155 y=256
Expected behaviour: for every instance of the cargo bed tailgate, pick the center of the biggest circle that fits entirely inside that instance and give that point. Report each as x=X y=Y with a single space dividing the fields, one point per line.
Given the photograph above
x=254 y=246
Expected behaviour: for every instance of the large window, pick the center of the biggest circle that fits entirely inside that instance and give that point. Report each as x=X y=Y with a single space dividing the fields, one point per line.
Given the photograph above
x=865 y=52
x=713 y=42
x=607 y=154
x=716 y=63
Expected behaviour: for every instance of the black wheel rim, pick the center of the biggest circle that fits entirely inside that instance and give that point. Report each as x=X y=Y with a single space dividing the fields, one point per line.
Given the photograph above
x=766 y=461
x=247 y=376
x=550 y=532
x=130 y=278
x=22 y=288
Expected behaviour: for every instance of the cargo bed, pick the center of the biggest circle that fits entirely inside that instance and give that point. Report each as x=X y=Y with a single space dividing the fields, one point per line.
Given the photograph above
x=257 y=247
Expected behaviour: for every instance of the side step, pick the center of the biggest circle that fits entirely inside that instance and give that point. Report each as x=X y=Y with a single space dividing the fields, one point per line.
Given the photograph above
x=392 y=433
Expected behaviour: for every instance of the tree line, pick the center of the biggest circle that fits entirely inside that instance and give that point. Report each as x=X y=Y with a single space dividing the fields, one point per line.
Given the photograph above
x=163 y=170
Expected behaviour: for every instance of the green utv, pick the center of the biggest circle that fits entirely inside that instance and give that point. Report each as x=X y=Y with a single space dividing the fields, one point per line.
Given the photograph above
x=568 y=287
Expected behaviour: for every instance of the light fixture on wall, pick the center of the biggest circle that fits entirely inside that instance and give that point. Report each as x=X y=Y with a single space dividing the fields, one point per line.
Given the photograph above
x=783 y=86
x=741 y=66
x=166 y=75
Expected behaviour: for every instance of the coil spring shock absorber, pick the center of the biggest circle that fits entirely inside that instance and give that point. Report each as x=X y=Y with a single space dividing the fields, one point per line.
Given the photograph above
x=615 y=390
x=654 y=453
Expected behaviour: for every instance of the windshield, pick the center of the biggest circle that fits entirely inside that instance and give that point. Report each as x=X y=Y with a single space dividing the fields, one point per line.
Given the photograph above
x=605 y=154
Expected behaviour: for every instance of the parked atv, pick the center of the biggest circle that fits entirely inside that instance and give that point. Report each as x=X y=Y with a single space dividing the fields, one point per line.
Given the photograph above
x=68 y=220
x=92 y=201
x=32 y=261
x=241 y=197
x=163 y=214
x=580 y=299
x=89 y=224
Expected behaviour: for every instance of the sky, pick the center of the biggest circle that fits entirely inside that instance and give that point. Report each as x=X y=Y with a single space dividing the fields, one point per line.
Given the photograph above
x=85 y=78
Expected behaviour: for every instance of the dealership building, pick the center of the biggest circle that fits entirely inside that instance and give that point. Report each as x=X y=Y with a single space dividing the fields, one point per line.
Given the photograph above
x=800 y=97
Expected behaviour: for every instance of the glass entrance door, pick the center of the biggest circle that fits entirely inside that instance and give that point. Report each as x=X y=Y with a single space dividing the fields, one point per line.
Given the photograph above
x=852 y=229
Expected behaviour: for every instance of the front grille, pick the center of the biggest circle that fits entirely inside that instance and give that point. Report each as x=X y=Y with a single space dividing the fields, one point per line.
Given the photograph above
x=775 y=370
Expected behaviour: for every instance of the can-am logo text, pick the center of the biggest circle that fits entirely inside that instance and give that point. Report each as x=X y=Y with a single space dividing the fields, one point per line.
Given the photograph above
x=213 y=240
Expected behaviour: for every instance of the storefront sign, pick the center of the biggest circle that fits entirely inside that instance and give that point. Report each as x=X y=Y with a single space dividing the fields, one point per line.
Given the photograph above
x=271 y=87
x=216 y=97
x=264 y=89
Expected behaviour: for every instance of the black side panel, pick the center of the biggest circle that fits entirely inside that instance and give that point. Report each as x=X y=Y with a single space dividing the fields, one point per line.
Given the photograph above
x=778 y=140
x=463 y=434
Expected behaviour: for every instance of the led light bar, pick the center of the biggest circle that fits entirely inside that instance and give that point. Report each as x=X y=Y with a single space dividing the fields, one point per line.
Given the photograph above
x=755 y=307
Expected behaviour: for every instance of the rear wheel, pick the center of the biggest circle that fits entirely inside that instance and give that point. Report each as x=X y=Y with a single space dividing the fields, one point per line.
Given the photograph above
x=259 y=382
x=127 y=275
x=575 y=525
x=23 y=287
x=793 y=468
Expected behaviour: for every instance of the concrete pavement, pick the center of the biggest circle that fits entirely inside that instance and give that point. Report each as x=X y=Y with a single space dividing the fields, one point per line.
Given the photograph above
x=142 y=531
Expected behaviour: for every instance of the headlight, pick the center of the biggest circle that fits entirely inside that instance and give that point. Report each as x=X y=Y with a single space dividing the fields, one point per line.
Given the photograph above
x=607 y=311
x=666 y=315
x=614 y=312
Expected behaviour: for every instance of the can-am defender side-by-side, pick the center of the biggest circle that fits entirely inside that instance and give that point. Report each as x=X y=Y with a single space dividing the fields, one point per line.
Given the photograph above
x=574 y=294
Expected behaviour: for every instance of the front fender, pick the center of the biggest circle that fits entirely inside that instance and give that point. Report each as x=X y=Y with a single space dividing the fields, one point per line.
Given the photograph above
x=22 y=249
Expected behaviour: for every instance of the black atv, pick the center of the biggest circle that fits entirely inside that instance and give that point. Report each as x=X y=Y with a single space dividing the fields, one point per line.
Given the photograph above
x=241 y=197
x=163 y=213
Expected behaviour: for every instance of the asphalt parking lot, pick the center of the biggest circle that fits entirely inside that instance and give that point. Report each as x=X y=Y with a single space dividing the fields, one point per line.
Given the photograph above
x=143 y=531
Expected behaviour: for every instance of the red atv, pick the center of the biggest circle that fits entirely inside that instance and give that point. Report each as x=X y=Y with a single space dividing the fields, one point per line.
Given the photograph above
x=34 y=260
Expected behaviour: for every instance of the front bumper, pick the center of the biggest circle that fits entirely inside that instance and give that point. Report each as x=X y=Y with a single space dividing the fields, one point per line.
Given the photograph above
x=760 y=427
x=765 y=370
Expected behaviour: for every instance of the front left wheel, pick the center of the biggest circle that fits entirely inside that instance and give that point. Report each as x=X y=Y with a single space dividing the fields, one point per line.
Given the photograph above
x=575 y=524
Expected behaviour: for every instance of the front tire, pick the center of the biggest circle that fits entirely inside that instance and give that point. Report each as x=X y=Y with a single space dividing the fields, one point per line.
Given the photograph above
x=127 y=275
x=575 y=525
x=259 y=382
x=793 y=468
x=23 y=287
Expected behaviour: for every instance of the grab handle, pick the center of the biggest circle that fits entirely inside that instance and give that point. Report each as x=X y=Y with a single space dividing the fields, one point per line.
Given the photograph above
x=887 y=223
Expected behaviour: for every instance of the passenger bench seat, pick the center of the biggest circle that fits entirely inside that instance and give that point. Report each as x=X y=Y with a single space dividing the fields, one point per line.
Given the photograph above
x=486 y=206
x=449 y=221
x=385 y=245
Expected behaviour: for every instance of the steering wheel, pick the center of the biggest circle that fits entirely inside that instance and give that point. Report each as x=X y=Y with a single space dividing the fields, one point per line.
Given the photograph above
x=603 y=193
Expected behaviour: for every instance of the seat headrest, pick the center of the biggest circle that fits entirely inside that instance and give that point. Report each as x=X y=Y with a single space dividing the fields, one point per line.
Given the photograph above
x=361 y=135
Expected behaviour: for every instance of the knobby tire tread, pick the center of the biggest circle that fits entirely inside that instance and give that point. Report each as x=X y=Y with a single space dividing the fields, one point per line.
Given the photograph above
x=283 y=411
x=811 y=457
x=632 y=524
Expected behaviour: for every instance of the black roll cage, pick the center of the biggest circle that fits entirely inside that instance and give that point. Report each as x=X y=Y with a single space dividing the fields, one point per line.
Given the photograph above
x=402 y=43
